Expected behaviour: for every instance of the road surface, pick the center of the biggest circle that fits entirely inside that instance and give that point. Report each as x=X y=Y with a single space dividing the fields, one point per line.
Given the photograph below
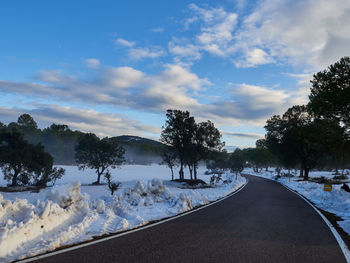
x=262 y=223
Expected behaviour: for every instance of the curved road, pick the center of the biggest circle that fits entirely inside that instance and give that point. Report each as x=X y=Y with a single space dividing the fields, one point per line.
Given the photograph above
x=262 y=223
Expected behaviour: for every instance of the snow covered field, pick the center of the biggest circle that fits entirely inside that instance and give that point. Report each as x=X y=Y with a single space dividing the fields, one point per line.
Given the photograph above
x=337 y=201
x=72 y=211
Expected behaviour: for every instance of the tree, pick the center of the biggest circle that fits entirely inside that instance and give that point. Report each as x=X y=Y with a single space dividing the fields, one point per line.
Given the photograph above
x=299 y=138
x=25 y=120
x=15 y=156
x=169 y=158
x=98 y=154
x=192 y=142
x=206 y=139
x=218 y=160
x=21 y=161
x=237 y=162
x=60 y=141
x=112 y=186
x=330 y=92
x=178 y=132
x=266 y=158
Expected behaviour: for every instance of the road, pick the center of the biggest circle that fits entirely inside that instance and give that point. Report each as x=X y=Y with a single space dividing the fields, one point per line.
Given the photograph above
x=262 y=223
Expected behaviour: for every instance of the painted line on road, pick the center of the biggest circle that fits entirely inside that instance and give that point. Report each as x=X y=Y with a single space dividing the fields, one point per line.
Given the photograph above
x=49 y=254
x=340 y=241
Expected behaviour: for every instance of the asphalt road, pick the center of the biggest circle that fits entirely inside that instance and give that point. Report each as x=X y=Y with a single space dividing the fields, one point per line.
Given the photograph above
x=262 y=223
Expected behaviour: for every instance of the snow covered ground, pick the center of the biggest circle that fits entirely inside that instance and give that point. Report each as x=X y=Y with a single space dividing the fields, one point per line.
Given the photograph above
x=72 y=211
x=337 y=201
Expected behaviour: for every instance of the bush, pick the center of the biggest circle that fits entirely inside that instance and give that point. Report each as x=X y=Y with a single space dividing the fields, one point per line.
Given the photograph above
x=215 y=178
x=340 y=177
x=113 y=186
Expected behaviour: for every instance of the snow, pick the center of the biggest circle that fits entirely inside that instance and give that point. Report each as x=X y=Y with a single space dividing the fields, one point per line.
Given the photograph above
x=337 y=201
x=72 y=211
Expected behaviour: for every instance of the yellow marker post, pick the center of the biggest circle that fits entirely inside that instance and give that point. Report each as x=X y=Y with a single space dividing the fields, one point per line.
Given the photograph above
x=327 y=187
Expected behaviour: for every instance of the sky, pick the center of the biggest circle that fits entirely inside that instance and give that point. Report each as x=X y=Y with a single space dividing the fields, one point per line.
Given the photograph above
x=115 y=67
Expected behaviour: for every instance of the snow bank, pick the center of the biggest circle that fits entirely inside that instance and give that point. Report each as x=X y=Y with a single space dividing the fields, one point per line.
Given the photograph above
x=68 y=214
x=337 y=201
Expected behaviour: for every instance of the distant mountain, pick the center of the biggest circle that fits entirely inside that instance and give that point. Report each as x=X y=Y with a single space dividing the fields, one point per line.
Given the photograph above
x=140 y=150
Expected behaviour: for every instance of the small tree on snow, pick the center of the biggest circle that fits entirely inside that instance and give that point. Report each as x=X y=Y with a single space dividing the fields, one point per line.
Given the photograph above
x=113 y=186
x=100 y=155
x=169 y=158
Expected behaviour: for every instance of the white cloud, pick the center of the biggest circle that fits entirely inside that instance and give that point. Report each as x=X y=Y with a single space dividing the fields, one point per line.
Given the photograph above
x=157 y=29
x=124 y=42
x=261 y=97
x=102 y=124
x=244 y=135
x=294 y=32
x=92 y=63
x=145 y=52
x=177 y=48
x=217 y=29
x=254 y=58
x=300 y=31
x=123 y=77
x=175 y=87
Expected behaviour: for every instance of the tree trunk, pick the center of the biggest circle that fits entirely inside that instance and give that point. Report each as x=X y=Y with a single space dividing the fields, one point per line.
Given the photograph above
x=14 y=178
x=190 y=169
x=98 y=178
x=301 y=172
x=181 y=172
x=306 y=175
x=195 y=171
x=172 y=173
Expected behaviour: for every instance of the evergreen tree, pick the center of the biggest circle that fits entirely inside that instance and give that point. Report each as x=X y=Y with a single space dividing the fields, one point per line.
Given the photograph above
x=98 y=154
x=178 y=132
x=237 y=162
x=169 y=158
x=330 y=92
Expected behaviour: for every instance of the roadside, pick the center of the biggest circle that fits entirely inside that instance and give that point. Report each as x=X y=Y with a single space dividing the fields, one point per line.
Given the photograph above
x=334 y=205
x=35 y=223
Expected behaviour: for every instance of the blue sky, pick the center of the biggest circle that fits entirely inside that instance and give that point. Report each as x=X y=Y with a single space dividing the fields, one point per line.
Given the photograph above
x=114 y=67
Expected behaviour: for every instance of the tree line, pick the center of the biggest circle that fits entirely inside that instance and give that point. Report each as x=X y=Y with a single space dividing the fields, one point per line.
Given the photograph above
x=25 y=163
x=315 y=135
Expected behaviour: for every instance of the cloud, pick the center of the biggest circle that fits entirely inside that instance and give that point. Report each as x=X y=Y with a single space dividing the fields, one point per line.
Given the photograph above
x=177 y=48
x=292 y=32
x=122 y=77
x=174 y=87
x=299 y=31
x=123 y=42
x=244 y=135
x=216 y=31
x=138 y=53
x=254 y=57
x=157 y=29
x=102 y=124
x=92 y=63
x=301 y=94
x=145 y=52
